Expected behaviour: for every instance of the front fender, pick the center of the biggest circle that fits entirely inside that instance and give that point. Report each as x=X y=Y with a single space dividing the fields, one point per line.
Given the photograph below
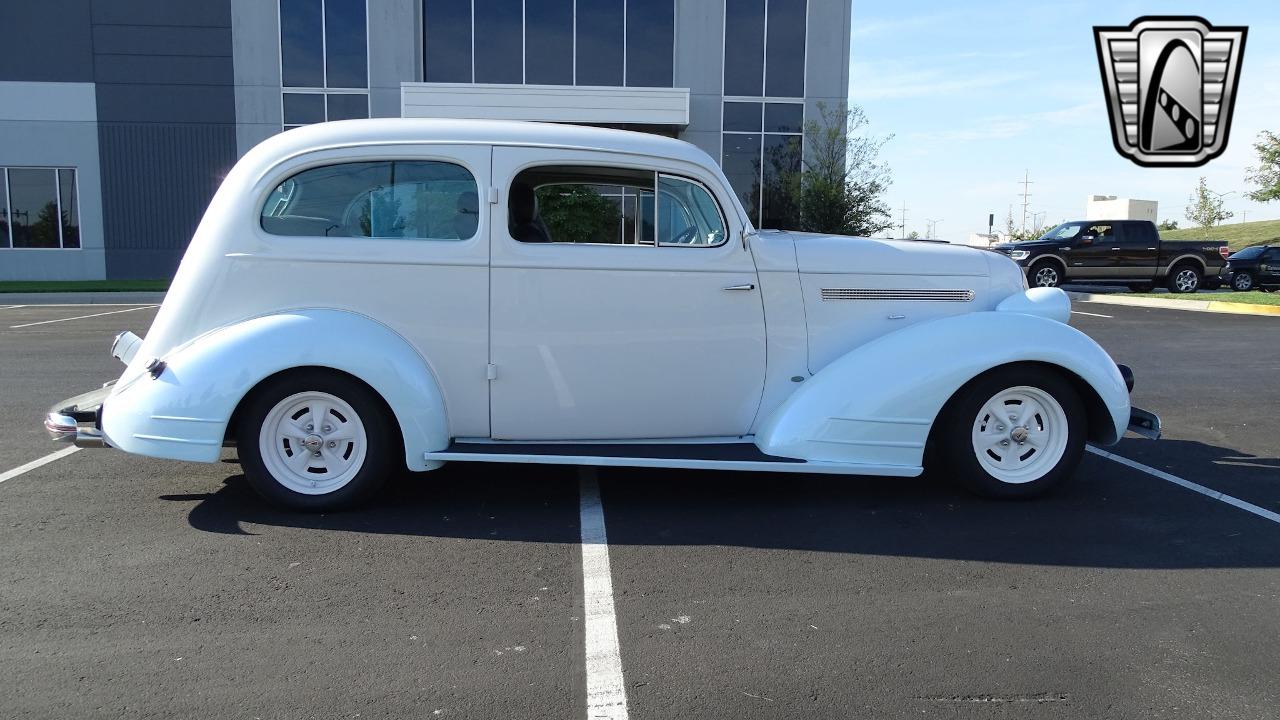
x=183 y=413
x=877 y=403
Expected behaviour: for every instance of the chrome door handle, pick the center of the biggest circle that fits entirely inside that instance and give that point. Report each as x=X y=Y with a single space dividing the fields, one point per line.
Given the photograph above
x=745 y=286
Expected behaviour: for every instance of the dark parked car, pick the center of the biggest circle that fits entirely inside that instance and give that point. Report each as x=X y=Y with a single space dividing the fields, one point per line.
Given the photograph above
x=1118 y=252
x=1253 y=268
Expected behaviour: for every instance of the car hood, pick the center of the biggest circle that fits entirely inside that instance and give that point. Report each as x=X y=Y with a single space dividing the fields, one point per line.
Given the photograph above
x=866 y=256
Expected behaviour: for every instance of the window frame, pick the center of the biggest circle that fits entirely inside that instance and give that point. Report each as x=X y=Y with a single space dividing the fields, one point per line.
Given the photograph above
x=57 y=191
x=280 y=175
x=764 y=102
x=324 y=89
x=728 y=230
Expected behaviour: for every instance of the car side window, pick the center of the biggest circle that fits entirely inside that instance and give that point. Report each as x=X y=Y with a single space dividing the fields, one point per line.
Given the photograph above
x=406 y=199
x=1101 y=232
x=596 y=205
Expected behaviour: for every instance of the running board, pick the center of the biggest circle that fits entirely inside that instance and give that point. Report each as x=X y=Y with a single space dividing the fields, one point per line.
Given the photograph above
x=693 y=456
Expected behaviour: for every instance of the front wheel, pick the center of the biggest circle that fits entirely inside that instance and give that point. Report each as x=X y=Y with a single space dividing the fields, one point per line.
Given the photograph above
x=315 y=440
x=1242 y=282
x=1045 y=274
x=1184 y=279
x=1011 y=433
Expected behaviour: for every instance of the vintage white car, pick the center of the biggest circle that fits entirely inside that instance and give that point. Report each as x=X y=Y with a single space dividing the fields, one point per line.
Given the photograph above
x=370 y=294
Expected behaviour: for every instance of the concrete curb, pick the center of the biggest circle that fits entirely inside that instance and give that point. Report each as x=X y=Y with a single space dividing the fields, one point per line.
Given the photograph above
x=1213 y=306
x=81 y=298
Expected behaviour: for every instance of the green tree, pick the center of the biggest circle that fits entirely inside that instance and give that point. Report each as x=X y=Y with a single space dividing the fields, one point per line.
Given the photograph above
x=1267 y=174
x=841 y=190
x=1204 y=208
x=1168 y=225
x=578 y=213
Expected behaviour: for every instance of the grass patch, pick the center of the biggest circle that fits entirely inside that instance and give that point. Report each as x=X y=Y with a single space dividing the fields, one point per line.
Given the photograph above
x=50 y=286
x=1253 y=297
x=1238 y=235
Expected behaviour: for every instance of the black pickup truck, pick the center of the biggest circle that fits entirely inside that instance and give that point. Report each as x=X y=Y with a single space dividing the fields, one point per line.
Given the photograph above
x=1118 y=252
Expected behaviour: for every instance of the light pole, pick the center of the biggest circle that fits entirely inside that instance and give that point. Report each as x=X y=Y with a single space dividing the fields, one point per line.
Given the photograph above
x=931 y=228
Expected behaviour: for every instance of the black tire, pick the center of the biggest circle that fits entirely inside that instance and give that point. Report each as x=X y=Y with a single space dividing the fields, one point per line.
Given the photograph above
x=1142 y=287
x=381 y=433
x=1045 y=273
x=1186 y=271
x=1242 y=282
x=952 y=452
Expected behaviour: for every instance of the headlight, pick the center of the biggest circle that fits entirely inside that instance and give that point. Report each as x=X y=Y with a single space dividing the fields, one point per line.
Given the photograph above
x=1020 y=254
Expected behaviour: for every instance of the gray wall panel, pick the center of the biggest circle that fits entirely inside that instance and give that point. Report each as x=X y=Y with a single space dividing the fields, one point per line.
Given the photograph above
x=179 y=13
x=46 y=41
x=167 y=70
x=158 y=180
x=166 y=103
x=161 y=40
x=256 y=50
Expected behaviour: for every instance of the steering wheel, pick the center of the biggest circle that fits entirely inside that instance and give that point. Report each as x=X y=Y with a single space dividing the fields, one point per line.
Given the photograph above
x=686 y=236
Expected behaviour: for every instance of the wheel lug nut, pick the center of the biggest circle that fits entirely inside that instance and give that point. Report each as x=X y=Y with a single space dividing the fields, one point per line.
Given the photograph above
x=333 y=444
x=1000 y=428
x=316 y=453
x=1004 y=443
x=326 y=428
x=310 y=427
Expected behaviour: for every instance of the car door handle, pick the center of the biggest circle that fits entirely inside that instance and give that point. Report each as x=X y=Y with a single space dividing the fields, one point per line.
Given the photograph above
x=745 y=286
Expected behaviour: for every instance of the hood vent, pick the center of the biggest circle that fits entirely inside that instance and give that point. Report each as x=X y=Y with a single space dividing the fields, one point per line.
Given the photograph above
x=892 y=294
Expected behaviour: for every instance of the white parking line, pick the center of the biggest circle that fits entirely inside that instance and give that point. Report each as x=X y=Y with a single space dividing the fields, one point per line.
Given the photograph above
x=12 y=307
x=1080 y=312
x=1194 y=487
x=606 y=692
x=11 y=474
x=82 y=317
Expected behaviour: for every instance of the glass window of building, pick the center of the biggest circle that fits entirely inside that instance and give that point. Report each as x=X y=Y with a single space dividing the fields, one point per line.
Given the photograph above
x=323 y=53
x=764 y=48
x=763 y=145
x=744 y=47
x=446 y=41
x=612 y=43
x=548 y=42
x=407 y=199
x=499 y=22
x=39 y=208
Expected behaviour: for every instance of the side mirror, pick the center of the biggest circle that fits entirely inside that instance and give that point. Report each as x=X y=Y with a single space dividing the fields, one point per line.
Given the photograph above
x=1087 y=239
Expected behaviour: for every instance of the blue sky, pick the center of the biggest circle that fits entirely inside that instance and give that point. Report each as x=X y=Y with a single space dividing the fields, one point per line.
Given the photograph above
x=976 y=93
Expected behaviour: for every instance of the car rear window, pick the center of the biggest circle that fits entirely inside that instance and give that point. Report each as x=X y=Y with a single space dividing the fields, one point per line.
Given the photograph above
x=409 y=199
x=1249 y=253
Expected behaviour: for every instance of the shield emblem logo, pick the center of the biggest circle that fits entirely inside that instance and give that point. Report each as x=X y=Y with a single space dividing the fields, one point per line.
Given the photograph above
x=1170 y=85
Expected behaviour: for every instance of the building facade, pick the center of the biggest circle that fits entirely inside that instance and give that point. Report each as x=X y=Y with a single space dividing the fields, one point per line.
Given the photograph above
x=118 y=119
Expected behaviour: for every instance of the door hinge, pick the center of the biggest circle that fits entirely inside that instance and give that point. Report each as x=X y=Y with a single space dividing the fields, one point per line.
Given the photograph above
x=493 y=196
x=491 y=372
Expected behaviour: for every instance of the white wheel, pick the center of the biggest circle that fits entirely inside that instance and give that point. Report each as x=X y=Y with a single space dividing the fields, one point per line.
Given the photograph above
x=313 y=443
x=1020 y=434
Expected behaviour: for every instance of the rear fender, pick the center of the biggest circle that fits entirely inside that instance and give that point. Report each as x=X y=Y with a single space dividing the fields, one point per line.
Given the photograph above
x=877 y=403
x=183 y=413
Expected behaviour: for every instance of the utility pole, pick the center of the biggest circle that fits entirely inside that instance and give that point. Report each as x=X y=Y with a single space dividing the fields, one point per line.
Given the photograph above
x=931 y=228
x=903 y=226
x=1026 y=186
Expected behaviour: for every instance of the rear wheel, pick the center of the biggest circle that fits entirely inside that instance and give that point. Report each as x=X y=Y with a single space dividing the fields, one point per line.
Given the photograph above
x=1242 y=282
x=1012 y=433
x=1045 y=274
x=315 y=440
x=1184 y=279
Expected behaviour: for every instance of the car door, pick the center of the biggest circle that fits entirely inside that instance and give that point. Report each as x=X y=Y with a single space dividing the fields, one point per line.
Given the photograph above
x=1136 y=250
x=1093 y=251
x=623 y=303
x=1269 y=267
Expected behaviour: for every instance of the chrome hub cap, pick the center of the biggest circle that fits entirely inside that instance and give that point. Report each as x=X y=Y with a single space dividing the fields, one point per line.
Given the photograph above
x=1029 y=444
x=1046 y=277
x=313 y=443
x=1186 y=280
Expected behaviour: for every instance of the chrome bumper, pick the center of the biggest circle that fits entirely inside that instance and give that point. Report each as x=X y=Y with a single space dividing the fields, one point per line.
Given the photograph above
x=1144 y=423
x=78 y=420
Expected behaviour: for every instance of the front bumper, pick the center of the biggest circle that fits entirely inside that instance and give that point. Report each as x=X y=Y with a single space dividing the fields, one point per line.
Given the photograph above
x=1141 y=422
x=78 y=419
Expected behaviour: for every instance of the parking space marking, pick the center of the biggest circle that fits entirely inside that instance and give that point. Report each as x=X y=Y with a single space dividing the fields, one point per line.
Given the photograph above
x=41 y=462
x=12 y=307
x=1194 y=487
x=83 y=317
x=1081 y=312
x=606 y=692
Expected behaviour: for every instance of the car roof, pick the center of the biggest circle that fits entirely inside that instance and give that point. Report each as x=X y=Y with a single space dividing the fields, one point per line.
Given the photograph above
x=381 y=131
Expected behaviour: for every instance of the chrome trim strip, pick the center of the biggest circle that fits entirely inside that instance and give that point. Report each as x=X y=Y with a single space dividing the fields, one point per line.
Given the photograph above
x=896 y=294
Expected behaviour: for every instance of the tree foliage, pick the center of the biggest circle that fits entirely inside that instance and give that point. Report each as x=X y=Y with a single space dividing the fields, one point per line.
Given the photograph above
x=1168 y=225
x=1204 y=208
x=841 y=190
x=1267 y=174
x=578 y=213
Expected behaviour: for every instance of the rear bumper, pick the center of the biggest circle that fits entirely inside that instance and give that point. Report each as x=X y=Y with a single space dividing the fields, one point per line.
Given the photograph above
x=1141 y=422
x=78 y=420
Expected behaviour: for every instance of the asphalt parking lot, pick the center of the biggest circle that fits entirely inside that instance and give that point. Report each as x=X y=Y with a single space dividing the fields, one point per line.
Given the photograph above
x=141 y=588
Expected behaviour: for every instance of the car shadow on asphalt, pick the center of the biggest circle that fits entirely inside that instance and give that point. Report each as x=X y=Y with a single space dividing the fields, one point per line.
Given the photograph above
x=1107 y=516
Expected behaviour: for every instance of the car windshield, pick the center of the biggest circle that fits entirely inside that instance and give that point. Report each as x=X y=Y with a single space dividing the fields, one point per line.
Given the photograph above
x=1065 y=231
x=1249 y=253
